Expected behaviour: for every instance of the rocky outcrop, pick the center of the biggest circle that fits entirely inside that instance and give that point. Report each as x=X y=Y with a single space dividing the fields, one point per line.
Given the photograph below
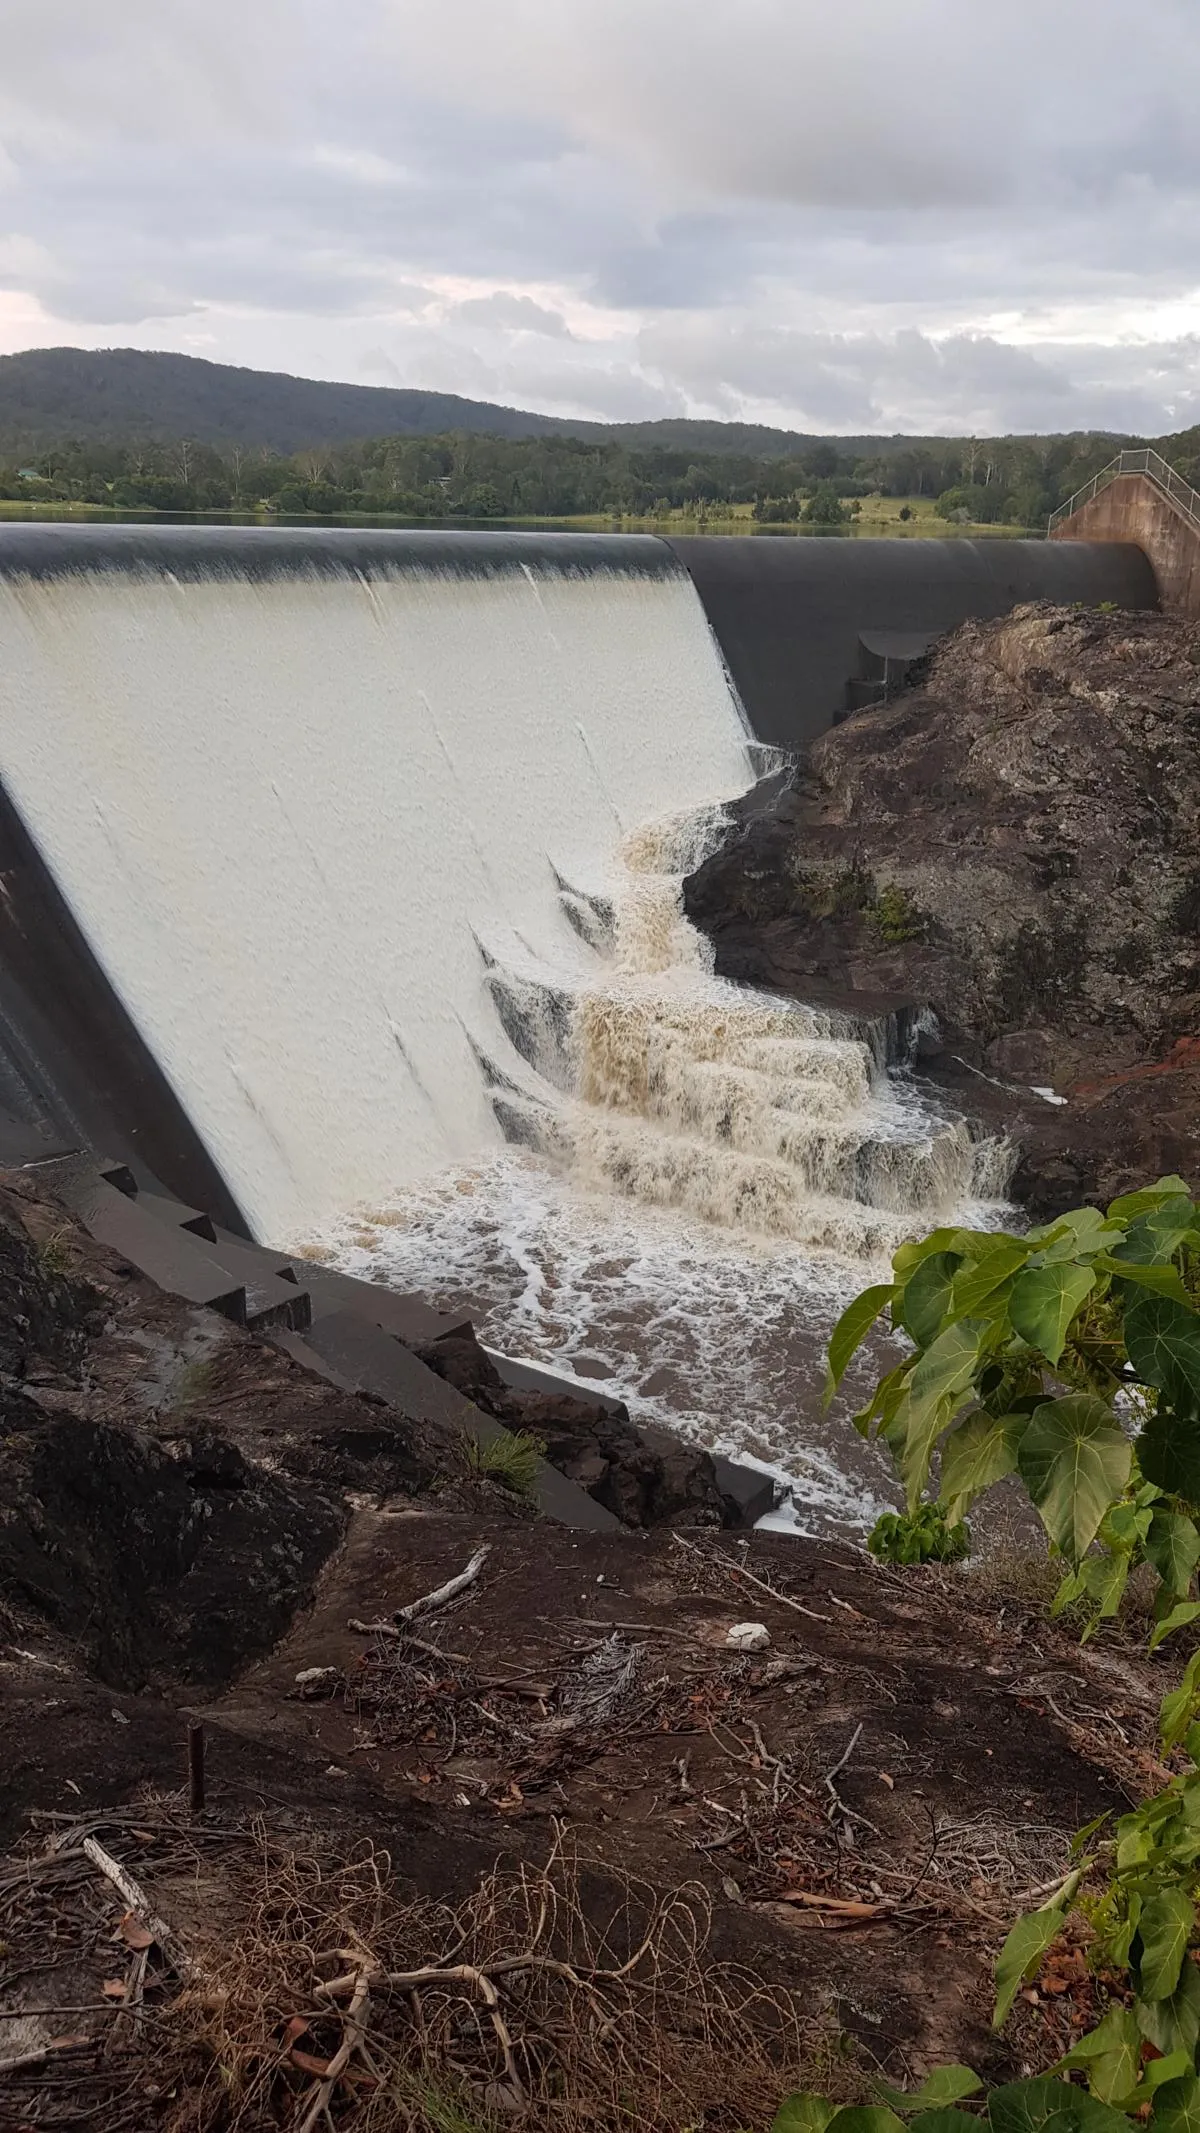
x=645 y=1477
x=1015 y=842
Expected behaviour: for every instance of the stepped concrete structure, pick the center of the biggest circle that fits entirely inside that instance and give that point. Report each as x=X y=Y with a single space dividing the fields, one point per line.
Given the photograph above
x=1139 y=499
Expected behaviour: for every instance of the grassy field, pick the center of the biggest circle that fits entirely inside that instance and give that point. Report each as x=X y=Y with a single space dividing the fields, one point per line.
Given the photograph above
x=879 y=519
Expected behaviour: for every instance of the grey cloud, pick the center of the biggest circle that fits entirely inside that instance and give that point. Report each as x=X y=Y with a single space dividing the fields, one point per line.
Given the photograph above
x=770 y=205
x=513 y=314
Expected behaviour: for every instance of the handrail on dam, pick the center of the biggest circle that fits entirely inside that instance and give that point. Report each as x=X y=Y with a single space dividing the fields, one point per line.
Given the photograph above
x=1147 y=462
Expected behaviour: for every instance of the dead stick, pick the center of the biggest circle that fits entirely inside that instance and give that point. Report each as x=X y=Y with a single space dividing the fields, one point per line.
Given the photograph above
x=138 y=1901
x=43 y=2052
x=430 y=1602
x=352 y=2035
x=195 y=1766
x=739 y=1570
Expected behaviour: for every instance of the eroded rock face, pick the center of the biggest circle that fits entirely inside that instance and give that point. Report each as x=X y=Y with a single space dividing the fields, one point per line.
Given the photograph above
x=1015 y=842
x=645 y=1477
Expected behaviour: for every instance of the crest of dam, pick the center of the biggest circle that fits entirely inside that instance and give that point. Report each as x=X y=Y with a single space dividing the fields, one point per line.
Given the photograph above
x=333 y=858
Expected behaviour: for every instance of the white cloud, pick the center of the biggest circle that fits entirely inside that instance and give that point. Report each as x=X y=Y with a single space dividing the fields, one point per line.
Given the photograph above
x=889 y=214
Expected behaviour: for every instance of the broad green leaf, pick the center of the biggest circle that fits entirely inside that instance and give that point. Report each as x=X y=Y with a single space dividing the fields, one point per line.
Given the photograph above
x=1177 y=1709
x=1086 y=2114
x=1173 y=2025
x=927 y=1297
x=944 y=2119
x=1104 y=1580
x=851 y=1331
x=1132 y=1204
x=1177 y=2106
x=1179 y=1618
x=1124 y=1527
x=1083 y=1837
x=1158 y=1234
x=1157 y=2071
x=946 y=2084
x=866 y=2118
x=1164 y=1280
x=939 y=1384
x=1168 y=1452
x=804 y=2114
x=1043 y=1303
x=1172 y=1546
x=885 y=1399
x=1078 y=1235
x=979 y=1280
x=1027 y=2106
x=1075 y=1460
x=1021 y=1956
x=1168 y=1922
x=1162 y=1340
x=909 y=1256
x=1111 y=2054
x=981 y=1451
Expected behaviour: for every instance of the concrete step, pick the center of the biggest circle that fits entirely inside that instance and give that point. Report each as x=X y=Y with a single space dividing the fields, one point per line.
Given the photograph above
x=171 y=1258
x=373 y=1361
x=272 y=1297
x=408 y=1318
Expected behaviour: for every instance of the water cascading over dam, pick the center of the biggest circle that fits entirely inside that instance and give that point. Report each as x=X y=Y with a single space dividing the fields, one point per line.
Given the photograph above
x=342 y=892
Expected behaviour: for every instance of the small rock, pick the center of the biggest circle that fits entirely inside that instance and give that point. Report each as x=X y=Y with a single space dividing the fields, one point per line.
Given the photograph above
x=748 y=1637
x=308 y=1676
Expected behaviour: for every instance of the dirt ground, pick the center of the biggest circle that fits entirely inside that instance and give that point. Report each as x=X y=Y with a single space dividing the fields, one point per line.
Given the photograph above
x=640 y=1875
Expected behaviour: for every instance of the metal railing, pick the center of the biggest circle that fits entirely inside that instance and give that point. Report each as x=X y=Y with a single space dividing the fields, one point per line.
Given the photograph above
x=1146 y=462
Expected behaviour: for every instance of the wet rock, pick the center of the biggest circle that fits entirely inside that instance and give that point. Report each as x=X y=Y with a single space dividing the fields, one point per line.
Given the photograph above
x=646 y=1477
x=155 y=1562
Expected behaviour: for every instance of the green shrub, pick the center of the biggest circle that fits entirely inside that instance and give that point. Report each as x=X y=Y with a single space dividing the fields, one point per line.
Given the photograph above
x=511 y=1458
x=922 y=1536
x=896 y=916
x=1037 y=1356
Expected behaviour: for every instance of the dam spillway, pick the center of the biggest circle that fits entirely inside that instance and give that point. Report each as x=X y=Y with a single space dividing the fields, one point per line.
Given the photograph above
x=294 y=810
x=272 y=803
x=337 y=864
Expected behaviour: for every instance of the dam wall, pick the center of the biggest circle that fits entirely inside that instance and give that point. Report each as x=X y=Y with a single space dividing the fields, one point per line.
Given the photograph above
x=791 y=613
x=286 y=814
x=300 y=793
x=1133 y=507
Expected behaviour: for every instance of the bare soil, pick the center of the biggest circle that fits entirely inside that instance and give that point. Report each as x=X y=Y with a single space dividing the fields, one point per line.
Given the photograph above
x=690 y=1875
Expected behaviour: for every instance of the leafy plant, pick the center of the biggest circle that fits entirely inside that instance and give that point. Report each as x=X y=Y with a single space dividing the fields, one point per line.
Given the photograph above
x=1069 y=1357
x=922 y=1536
x=511 y=1458
x=896 y=916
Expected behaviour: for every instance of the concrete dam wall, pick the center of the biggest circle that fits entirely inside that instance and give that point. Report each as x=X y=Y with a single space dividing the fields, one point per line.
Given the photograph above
x=287 y=817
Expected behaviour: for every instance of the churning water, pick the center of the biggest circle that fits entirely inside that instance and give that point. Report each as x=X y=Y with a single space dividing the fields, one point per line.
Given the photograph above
x=385 y=863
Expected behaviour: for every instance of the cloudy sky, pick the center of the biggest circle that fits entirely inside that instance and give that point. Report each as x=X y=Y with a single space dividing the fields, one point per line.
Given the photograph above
x=834 y=214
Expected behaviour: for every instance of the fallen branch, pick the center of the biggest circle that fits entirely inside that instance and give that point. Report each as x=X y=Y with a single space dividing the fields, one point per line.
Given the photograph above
x=137 y=1900
x=840 y=1906
x=353 y=2032
x=428 y=1604
x=738 y=1570
x=431 y=1602
x=42 y=2053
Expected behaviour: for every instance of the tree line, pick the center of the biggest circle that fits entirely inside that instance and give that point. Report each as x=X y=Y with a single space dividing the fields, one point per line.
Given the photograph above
x=1014 y=480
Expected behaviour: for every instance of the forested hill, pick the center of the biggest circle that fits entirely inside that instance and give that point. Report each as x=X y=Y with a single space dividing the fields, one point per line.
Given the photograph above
x=126 y=396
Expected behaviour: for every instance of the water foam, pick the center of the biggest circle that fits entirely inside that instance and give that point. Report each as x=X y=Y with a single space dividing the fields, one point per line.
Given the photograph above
x=716 y=1173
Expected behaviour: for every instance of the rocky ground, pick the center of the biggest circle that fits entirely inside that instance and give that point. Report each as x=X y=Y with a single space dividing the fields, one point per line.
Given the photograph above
x=562 y=1851
x=1014 y=842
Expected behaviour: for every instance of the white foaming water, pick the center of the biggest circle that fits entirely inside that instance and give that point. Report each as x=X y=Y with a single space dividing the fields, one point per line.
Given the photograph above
x=717 y=1169
x=288 y=814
